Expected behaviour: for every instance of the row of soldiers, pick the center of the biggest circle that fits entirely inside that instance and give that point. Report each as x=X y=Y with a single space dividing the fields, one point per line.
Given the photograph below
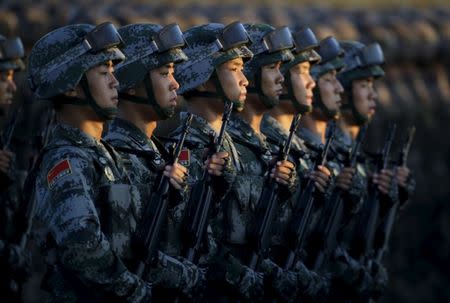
x=262 y=192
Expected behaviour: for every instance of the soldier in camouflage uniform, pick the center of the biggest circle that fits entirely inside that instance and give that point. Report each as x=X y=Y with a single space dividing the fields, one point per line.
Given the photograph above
x=147 y=94
x=353 y=279
x=297 y=98
x=212 y=77
x=270 y=47
x=12 y=258
x=85 y=208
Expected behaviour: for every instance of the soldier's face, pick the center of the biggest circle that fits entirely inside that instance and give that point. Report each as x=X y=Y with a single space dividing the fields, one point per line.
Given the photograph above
x=272 y=80
x=330 y=90
x=364 y=96
x=233 y=80
x=7 y=87
x=103 y=85
x=302 y=83
x=164 y=85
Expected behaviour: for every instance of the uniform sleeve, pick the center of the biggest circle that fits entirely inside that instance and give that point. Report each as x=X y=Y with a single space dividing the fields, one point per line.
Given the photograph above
x=70 y=214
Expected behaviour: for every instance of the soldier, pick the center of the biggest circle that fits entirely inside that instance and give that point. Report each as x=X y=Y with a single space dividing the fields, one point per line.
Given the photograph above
x=13 y=258
x=297 y=98
x=147 y=94
x=85 y=208
x=212 y=78
x=352 y=278
x=270 y=47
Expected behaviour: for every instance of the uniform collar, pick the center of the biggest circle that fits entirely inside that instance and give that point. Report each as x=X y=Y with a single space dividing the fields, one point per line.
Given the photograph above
x=128 y=132
x=240 y=129
x=73 y=135
x=276 y=133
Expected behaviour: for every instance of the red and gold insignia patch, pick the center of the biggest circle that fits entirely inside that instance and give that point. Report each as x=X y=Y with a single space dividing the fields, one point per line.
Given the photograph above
x=58 y=171
x=185 y=157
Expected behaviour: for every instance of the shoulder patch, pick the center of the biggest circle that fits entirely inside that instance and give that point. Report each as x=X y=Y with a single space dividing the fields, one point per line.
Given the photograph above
x=58 y=171
x=185 y=157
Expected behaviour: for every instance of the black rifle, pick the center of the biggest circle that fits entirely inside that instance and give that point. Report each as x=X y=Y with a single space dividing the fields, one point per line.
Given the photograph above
x=155 y=212
x=335 y=210
x=384 y=233
x=362 y=245
x=268 y=203
x=200 y=201
x=304 y=205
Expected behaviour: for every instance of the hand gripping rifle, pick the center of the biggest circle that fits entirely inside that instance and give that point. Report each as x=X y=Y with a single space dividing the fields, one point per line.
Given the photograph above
x=155 y=212
x=304 y=205
x=384 y=233
x=268 y=203
x=200 y=201
x=335 y=210
x=365 y=228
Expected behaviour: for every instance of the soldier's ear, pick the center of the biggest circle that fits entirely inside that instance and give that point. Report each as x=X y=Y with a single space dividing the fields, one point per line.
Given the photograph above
x=201 y=87
x=131 y=92
x=74 y=92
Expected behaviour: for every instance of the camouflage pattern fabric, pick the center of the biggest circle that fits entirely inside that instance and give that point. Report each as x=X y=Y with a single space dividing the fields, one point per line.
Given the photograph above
x=86 y=211
x=144 y=172
x=309 y=285
x=227 y=276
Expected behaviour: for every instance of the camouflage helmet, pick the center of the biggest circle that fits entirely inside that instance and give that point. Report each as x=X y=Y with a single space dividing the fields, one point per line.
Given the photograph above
x=148 y=46
x=332 y=55
x=59 y=60
x=361 y=62
x=269 y=45
x=11 y=54
x=208 y=46
x=305 y=42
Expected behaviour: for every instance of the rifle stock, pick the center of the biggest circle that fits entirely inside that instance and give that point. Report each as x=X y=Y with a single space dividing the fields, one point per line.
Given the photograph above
x=155 y=212
x=365 y=230
x=303 y=207
x=384 y=234
x=336 y=206
x=200 y=201
x=268 y=203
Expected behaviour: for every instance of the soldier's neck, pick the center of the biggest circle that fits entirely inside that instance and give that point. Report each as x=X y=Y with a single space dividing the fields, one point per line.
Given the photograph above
x=82 y=118
x=348 y=128
x=284 y=117
x=253 y=113
x=141 y=116
x=209 y=109
x=317 y=127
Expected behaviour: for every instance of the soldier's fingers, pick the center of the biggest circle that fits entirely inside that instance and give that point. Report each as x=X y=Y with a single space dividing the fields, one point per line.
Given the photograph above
x=321 y=181
x=282 y=181
x=7 y=154
x=383 y=189
x=175 y=184
x=349 y=170
x=215 y=166
x=217 y=160
x=282 y=169
x=180 y=167
x=324 y=170
x=286 y=163
x=221 y=155
x=387 y=172
x=283 y=176
x=215 y=172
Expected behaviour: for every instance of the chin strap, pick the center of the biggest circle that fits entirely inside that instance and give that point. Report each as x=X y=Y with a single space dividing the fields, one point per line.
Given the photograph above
x=163 y=113
x=268 y=102
x=318 y=103
x=290 y=96
x=357 y=116
x=105 y=113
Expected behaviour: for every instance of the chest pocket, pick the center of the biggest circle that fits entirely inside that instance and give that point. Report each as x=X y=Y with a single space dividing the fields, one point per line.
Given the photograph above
x=119 y=219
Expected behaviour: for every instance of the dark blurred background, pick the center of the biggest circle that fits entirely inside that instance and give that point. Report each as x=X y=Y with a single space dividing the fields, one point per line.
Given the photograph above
x=415 y=37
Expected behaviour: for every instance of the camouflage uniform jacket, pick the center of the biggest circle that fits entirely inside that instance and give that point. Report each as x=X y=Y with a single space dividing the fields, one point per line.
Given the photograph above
x=86 y=211
x=299 y=283
x=222 y=264
x=145 y=170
